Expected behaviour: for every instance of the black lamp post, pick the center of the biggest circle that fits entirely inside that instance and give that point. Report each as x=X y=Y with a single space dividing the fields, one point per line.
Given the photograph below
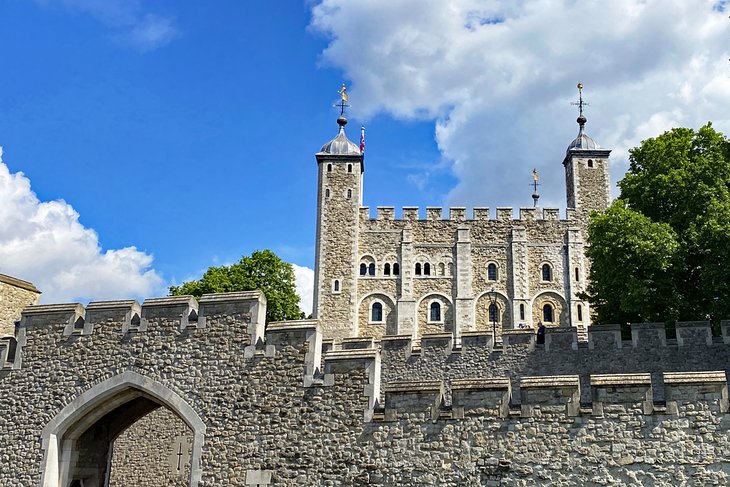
x=493 y=299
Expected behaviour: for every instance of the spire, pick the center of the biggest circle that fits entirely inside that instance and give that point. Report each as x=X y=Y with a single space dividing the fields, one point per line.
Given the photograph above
x=580 y=104
x=341 y=145
x=535 y=184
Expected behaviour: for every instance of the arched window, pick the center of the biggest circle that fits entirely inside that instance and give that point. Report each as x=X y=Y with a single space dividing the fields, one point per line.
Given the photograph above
x=363 y=269
x=336 y=286
x=418 y=269
x=371 y=269
x=426 y=269
x=590 y=162
x=547 y=272
x=522 y=312
x=396 y=269
x=435 y=312
x=349 y=194
x=329 y=167
x=493 y=313
x=580 y=313
x=327 y=193
x=386 y=269
x=547 y=313
x=451 y=269
x=376 y=314
x=492 y=271
x=577 y=274
x=349 y=168
x=442 y=269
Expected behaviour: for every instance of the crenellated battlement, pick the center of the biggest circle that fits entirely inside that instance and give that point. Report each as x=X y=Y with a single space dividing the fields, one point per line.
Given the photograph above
x=460 y=214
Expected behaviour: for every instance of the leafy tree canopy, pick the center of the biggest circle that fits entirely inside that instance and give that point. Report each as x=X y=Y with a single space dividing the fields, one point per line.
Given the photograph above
x=660 y=251
x=263 y=270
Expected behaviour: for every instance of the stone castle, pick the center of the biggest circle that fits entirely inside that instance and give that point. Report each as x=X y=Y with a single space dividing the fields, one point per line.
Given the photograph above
x=412 y=276
x=417 y=391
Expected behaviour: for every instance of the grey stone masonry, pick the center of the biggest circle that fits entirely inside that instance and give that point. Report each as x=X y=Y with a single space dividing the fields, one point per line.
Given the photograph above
x=15 y=294
x=226 y=400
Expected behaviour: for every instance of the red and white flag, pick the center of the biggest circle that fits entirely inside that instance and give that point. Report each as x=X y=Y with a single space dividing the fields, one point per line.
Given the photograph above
x=362 y=140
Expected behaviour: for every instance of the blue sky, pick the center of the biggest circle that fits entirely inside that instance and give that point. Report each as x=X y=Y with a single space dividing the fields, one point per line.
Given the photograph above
x=181 y=134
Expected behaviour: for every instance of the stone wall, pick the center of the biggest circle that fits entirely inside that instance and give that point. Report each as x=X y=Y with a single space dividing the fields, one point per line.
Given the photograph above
x=15 y=294
x=279 y=408
x=153 y=452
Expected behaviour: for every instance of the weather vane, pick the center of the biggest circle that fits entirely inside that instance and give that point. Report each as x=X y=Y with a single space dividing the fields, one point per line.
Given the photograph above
x=580 y=103
x=344 y=100
x=535 y=184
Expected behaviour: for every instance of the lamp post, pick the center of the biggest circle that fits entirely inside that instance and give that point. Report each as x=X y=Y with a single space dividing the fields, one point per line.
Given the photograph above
x=493 y=299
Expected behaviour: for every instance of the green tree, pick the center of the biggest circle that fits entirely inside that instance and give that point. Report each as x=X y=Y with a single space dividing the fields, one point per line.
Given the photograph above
x=263 y=270
x=668 y=234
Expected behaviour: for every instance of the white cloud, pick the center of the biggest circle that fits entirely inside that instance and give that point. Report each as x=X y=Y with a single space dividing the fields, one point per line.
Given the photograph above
x=497 y=78
x=127 y=20
x=43 y=242
x=305 y=287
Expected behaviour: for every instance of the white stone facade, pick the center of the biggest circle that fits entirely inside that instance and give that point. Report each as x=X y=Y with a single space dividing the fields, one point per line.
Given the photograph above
x=419 y=273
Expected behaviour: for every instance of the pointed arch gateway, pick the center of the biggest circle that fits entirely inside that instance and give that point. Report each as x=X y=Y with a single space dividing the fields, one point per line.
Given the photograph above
x=129 y=396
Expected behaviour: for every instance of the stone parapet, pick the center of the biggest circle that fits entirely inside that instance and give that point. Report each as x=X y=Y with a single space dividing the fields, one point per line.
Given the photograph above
x=549 y=392
x=647 y=335
x=481 y=397
x=691 y=333
x=626 y=390
x=692 y=387
x=604 y=337
x=404 y=398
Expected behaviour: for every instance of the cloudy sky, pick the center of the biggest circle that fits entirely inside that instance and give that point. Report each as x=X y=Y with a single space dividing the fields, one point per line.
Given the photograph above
x=145 y=141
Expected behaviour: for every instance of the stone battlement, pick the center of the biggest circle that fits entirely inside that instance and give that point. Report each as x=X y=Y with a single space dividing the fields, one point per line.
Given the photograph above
x=459 y=214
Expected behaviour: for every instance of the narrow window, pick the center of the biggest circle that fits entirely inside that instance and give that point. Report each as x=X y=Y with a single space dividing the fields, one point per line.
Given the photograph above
x=386 y=269
x=426 y=269
x=363 y=269
x=371 y=269
x=547 y=273
x=580 y=313
x=547 y=313
x=577 y=275
x=522 y=312
x=590 y=162
x=435 y=312
x=492 y=272
x=396 y=269
x=349 y=194
x=327 y=193
x=377 y=313
x=418 y=269
x=329 y=167
x=442 y=269
x=451 y=269
x=336 y=286
x=493 y=315
x=349 y=168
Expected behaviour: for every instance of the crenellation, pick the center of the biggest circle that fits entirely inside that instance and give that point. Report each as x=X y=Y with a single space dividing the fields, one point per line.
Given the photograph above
x=648 y=335
x=681 y=388
x=556 y=393
x=480 y=213
x=511 y=338
x=457 y=213
x=410 y=213
x=482 y=397
x=561 y=339
x=504 y=213
x=528 y=214
x=433 y=213
x=551 y=214
x=604 y=337
x=176 y=309
x=121 y=311
x=624 y=390
x=71 y=316
x=693 y=333
x=385 y=213
x=423 y=398
x=364 y=213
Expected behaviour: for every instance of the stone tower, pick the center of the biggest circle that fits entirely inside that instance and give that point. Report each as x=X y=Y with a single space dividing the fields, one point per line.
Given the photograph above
x=586 y=171
x=339 y=195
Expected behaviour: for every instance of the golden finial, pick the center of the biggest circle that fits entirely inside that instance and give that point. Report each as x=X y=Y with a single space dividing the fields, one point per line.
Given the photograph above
x=344 y=100
x=535 y=176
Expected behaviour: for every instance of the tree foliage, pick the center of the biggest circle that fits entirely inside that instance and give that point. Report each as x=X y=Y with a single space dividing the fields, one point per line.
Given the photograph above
x=263 y=270
x=660 y=252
